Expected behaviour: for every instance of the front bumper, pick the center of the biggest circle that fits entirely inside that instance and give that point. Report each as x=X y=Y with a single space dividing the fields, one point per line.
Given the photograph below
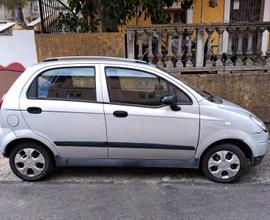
x=261 y=149
x=257 y=160
x=258 y=143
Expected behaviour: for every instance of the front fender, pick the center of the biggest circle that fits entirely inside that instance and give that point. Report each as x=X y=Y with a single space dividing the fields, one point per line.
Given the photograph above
x=208 y=140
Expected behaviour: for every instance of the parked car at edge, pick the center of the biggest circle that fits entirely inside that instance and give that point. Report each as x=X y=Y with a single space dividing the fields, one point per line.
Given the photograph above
x=100 y=111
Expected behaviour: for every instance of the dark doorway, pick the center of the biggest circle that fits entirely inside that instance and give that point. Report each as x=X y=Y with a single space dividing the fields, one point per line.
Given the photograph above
x=245 y=11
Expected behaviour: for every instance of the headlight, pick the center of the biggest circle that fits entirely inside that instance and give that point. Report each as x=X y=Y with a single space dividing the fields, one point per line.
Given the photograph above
x=259 y=122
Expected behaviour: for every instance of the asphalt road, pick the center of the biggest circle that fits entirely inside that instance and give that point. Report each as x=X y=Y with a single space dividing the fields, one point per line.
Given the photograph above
x=134 y=201
x=134 y=193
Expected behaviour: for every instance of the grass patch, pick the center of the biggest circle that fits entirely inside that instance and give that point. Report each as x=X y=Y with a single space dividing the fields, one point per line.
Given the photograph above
x=268 y=126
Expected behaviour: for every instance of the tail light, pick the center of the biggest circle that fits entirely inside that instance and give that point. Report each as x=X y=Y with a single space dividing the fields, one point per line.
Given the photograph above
x=2 y=100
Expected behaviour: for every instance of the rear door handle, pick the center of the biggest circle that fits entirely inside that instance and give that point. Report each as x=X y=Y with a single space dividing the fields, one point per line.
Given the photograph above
x=34 y=110
x=120 y=114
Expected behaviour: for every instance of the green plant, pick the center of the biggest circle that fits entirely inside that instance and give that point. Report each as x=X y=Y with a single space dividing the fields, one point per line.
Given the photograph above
x=115 y=12
x=268 y=126
x=87 y=22
x=72 y=22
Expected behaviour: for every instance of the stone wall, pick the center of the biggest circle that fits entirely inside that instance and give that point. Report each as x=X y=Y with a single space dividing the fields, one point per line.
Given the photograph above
x=85 y=44
x=250 y=90
x=247 y=89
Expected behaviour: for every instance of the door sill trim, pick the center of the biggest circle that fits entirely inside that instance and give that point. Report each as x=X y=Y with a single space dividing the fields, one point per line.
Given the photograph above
x=86 y=162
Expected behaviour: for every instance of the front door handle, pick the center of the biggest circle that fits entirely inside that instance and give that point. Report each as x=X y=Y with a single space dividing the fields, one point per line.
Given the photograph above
x=34 y=110
x=120 y=114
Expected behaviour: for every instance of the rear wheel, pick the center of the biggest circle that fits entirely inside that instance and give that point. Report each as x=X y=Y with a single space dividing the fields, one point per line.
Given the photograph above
x=31 y=161
x=224 y=163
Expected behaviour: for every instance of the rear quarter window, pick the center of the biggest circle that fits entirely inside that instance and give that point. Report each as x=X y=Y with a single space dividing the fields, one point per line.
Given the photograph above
x=76 y=83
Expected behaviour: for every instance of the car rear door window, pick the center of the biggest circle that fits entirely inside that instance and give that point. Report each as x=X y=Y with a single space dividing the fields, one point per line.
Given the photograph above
x=76 y=83
x=140 y=88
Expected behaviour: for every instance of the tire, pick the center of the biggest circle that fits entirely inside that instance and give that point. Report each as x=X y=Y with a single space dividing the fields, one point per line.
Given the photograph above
x=224 y=163
x=31 y=162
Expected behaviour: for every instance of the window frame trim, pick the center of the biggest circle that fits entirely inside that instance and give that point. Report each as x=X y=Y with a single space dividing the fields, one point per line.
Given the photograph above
x=138 y=105
x=63 y=99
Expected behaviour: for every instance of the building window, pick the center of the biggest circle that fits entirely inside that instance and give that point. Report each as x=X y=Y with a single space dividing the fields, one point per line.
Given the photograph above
x=34 y=7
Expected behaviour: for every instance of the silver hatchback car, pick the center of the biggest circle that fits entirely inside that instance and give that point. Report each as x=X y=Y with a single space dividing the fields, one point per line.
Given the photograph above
x=100 y=111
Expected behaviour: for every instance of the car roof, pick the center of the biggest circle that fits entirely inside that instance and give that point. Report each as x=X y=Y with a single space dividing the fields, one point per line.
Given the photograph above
x=101 y=59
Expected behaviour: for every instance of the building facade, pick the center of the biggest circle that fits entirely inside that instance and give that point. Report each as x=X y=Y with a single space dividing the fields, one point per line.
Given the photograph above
x=30 y=12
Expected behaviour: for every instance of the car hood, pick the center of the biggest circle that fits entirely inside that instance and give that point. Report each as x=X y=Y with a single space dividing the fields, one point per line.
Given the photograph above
x=233 y=107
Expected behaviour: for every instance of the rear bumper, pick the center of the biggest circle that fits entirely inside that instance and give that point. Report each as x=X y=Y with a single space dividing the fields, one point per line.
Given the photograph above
x=6 y=135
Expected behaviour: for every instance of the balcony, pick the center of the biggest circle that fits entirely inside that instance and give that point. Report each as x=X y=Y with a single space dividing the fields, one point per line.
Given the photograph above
x=202 y=47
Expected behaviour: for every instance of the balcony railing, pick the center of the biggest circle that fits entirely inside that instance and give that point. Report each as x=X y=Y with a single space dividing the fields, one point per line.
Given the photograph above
x=202 y=47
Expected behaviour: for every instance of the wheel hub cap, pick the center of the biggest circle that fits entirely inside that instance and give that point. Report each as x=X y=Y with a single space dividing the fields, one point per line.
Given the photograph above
x=224 y=164
x=29 y=162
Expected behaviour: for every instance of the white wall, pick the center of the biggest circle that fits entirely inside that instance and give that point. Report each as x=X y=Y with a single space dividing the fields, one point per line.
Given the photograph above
x=266 y=17
x=18 y=47
x=227 y=7
x=190 y=16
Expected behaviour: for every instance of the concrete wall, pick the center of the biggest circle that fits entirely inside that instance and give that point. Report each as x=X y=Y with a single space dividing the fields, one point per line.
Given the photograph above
x=249 y=90
x=18 y=47
x=86 y=44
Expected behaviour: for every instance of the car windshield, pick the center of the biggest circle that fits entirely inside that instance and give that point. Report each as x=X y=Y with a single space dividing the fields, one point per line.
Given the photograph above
x=208 y=96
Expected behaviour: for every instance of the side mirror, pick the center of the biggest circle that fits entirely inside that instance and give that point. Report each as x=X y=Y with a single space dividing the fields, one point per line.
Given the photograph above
x=171 y=100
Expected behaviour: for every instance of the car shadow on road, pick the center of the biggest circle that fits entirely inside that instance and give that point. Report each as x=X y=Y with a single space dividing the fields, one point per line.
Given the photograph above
x=127 y=174
x=258 y=174
x=147 y=175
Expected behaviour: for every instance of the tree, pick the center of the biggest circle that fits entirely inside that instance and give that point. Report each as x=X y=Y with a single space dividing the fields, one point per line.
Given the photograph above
x=85 y=18
x=115 y=12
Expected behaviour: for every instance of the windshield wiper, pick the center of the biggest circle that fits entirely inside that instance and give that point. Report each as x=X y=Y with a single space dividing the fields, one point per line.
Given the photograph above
x=213 y=99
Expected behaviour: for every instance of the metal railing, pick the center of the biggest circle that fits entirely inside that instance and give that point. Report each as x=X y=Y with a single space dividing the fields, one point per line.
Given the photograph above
x=49 y=12
x=192 y=47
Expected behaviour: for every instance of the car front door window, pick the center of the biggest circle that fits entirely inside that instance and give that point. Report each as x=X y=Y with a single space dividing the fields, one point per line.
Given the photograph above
x=136 y=87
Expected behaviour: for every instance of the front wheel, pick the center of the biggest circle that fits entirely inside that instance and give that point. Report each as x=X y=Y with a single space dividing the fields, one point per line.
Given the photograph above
x=30 y=161
x=224 y=163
